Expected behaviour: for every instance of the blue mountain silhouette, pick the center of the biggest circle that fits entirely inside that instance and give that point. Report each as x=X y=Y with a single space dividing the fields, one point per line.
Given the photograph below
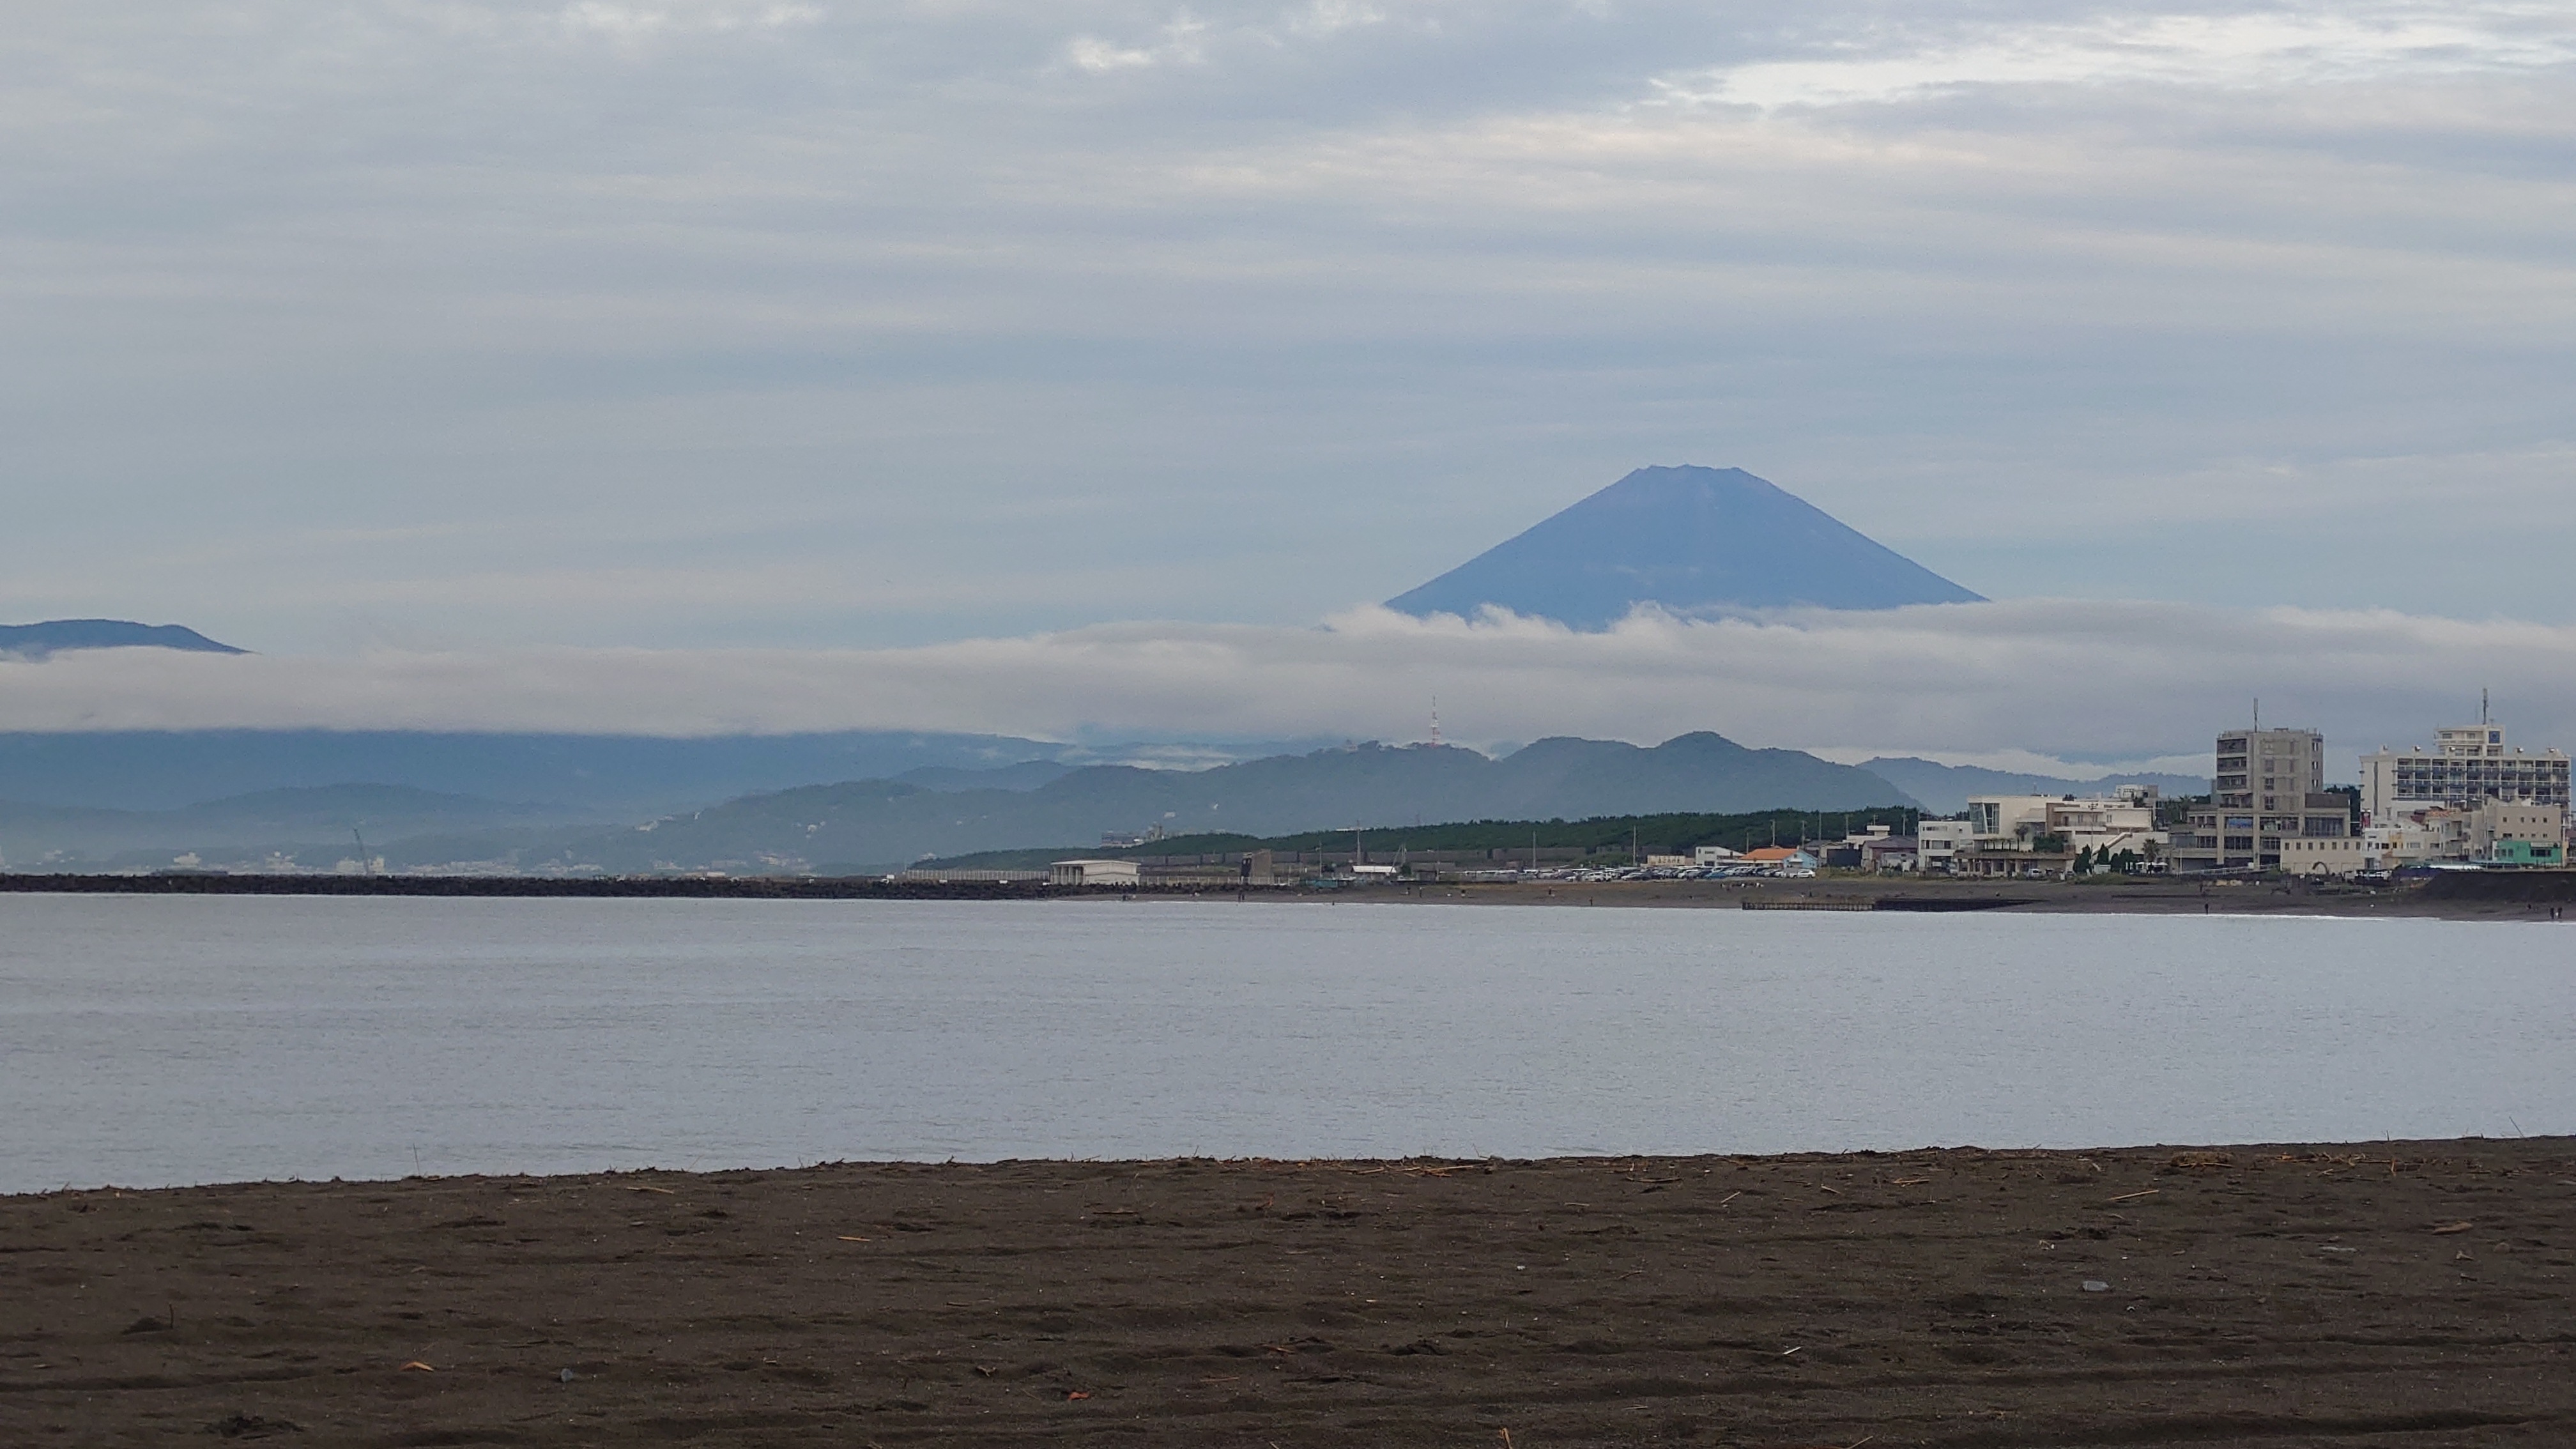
x=1696 y=541
x=54 y=636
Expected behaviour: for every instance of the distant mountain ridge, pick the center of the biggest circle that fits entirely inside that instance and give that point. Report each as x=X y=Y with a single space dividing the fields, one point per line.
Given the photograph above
x=1692 y=541
x=883 y=824
x=594 y=776
x=324 y=816
x=57 y=636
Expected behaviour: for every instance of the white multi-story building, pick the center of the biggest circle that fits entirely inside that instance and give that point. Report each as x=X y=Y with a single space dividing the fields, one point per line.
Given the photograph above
x=1937 y=844
x=2467 y=764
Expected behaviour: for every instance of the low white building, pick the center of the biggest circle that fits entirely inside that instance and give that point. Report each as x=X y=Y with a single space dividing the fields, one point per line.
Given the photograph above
x=2512 y=832
x=2007 y=832
x=1938 y=842
x=1095 y=873
x=2328 y=855
x=1711 y=855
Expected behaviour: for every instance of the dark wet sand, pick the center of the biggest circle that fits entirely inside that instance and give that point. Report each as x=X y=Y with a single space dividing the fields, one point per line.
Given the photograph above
x=2384 y=1295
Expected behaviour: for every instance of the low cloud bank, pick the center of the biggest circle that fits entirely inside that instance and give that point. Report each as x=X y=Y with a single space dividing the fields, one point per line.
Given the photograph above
x=2057 y=678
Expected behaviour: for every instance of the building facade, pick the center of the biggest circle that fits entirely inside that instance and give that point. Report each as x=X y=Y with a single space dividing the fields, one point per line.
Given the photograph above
x=2466 y=764
x=2023 y=834
x=1939 y=842
x=2266 y=788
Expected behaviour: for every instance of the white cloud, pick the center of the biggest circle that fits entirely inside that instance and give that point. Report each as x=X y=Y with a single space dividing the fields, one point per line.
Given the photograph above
x=2269 y=48
x=574 y=321
x=1179 y=42
x=631 y=20
x=2055 y=678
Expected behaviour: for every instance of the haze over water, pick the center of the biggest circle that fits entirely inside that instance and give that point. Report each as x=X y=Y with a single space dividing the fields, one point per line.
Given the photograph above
x=153 y=1041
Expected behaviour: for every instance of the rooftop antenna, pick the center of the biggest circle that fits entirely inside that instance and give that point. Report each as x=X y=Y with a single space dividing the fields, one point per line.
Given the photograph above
x=1435 y=721
x=2482 y=709
x=2258 y=714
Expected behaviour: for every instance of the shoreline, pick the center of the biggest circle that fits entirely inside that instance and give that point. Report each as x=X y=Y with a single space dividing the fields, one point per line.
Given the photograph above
x=2519 y=895
x=2404 y=1293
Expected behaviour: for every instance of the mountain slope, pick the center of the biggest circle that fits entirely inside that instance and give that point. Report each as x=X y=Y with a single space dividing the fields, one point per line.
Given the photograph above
x=1695 y=541
x=323 y=817
x=56 y=636
x=598 y=776
x=1946 y=788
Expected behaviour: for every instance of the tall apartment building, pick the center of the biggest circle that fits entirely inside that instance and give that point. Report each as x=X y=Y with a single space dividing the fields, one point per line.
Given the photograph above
x=2467 y=764
x=2268 y=786
x=2259 y=769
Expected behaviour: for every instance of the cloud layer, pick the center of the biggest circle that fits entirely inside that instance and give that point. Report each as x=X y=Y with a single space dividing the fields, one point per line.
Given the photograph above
x=461 y=323
x=2056 y=678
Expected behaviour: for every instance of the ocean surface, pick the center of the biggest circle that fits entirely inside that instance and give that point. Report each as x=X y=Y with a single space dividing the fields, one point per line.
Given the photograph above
x=158 y=1040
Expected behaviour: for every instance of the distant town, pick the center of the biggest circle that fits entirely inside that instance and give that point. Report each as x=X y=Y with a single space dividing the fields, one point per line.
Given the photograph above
x=2468 y=801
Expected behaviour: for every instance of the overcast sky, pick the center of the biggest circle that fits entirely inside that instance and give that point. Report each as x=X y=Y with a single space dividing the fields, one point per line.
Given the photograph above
x=795 y=323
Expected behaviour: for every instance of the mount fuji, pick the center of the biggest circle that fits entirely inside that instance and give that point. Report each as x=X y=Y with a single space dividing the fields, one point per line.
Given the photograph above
x=1692 y=541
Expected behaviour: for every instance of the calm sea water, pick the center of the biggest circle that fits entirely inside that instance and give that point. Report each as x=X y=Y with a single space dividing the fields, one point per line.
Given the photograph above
x=148 y=1040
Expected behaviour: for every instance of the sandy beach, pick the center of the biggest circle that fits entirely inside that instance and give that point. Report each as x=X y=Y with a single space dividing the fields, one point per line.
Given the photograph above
x=2413 y=1293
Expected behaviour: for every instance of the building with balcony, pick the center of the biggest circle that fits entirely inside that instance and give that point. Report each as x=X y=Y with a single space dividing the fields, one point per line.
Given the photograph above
x=2267 y=787
x=2466 y=764
x=2022 y=834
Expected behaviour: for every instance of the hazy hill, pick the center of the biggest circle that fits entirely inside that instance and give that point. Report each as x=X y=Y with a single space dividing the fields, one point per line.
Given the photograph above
x=318 y=818
x=1026 y=775
x=1945 y=788
x=593 y=776
x=1601 y=838
x=1695 y=541
x=887 y=823
x=55 y=636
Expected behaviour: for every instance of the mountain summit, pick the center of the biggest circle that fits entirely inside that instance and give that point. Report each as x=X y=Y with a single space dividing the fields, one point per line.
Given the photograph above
x=1694 y=541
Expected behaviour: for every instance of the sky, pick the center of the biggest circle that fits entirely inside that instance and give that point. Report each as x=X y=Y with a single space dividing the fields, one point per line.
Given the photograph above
x=446 y=330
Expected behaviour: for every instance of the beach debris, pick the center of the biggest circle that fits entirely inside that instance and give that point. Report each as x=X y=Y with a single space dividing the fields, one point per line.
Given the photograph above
x=2134 y=1196
x=2439 y=1230
x=416 y=1366
x=146 y=1324
x=1072 y=1394
x=1797 y=1348
x=853 y=1238
x=2096 y=1285
x=2200 y=1161
x=566 y=1376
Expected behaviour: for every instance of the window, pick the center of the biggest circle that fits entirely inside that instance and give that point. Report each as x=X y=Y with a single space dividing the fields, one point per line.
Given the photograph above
x=2240 y=842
